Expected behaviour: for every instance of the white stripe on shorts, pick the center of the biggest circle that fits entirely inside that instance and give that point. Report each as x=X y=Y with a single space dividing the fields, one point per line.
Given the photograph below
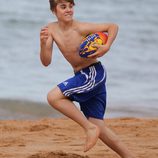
x=89 y=85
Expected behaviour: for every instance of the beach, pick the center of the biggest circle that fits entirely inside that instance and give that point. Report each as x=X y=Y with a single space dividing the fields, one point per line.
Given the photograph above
x=63 y=138
x=30 y=128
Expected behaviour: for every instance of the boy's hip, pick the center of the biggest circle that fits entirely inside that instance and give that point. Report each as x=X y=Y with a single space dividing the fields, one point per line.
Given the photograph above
x=84 y=80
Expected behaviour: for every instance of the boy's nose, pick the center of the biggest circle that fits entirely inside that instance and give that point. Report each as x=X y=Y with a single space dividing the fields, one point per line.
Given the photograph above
x=68 y=9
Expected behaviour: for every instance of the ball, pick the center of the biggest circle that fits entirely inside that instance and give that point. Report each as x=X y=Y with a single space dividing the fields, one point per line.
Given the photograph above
x=86 y=46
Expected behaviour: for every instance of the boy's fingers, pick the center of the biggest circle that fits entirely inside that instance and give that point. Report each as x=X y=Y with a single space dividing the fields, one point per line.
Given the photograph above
x=96 y=45
x=93 y=55
x=44 y=37
x=44 y=32
x=44 y=28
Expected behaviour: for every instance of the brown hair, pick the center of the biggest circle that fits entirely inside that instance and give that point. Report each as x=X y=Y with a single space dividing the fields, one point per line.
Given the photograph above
x=53 y=3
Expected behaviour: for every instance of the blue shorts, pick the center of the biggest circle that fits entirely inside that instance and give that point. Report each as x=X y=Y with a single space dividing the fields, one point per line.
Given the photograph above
x=88 y=88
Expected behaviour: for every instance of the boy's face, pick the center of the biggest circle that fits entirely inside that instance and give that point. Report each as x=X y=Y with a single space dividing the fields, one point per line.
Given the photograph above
x=64 y=11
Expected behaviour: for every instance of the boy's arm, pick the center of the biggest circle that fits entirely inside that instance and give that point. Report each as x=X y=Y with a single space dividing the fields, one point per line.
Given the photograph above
x=46 y=46
x=111 y=29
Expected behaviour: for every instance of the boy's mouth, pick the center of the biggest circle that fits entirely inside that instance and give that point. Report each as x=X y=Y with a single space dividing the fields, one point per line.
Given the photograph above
x=68 y=15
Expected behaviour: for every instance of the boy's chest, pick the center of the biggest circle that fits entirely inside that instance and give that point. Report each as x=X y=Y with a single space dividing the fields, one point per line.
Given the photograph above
x=69 y=40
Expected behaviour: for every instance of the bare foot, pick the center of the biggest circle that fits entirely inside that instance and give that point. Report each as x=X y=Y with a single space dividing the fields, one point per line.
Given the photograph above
x=92 y=137
x=130 y=155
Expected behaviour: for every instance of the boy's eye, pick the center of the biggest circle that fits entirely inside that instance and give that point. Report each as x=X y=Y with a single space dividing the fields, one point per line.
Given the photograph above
x=71 y=5
x=62 y=6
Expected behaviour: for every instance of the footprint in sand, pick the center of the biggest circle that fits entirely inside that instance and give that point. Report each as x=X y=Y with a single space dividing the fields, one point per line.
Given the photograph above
x=59 y=154
x=38 y=128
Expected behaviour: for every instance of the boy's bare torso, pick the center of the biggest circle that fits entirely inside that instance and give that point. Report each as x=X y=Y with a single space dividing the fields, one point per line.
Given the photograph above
x=68 y=41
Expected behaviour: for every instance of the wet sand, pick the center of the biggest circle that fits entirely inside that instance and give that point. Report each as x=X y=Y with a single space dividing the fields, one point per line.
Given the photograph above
x=63 y=138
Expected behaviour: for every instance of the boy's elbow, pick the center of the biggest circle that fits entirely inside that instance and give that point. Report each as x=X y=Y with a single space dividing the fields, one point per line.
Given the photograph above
x=46 y=63
x=115 y=26
x=45 y=60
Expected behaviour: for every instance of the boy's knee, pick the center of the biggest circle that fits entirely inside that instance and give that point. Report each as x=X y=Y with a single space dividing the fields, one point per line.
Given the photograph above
x=50 y=98
x=53 y=96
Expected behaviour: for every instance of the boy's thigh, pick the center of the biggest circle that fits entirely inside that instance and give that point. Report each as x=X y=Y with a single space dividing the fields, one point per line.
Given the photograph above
x=95 y=106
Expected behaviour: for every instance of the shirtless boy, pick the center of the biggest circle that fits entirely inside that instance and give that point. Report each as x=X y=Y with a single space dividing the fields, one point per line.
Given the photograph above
x=87 y=86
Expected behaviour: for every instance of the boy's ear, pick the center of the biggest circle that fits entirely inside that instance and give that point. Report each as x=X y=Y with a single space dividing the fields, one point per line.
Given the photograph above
x=53 y=11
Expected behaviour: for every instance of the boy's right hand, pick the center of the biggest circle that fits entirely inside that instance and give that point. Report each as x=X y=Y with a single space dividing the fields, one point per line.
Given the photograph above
x=44 y=35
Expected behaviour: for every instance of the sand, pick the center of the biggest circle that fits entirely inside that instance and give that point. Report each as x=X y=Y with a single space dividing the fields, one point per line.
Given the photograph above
x=63 y=138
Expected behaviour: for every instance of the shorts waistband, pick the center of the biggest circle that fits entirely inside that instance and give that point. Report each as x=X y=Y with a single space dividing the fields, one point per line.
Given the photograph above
x=98 y=63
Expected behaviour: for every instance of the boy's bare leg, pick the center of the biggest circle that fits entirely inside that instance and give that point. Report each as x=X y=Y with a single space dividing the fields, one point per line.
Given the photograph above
x=111 y=140
x=57 y=100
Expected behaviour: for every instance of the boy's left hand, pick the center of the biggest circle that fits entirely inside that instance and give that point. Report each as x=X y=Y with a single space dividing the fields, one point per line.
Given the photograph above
x=101 y=50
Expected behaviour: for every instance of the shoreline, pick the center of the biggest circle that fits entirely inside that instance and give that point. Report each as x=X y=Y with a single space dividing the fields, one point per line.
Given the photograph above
x=24 y=109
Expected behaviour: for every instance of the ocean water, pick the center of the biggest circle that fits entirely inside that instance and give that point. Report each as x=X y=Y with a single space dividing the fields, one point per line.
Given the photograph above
x=132 y=62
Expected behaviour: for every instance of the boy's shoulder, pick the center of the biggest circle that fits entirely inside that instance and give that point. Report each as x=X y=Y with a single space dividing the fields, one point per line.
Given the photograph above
x=75 y=22
x=51 y=24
